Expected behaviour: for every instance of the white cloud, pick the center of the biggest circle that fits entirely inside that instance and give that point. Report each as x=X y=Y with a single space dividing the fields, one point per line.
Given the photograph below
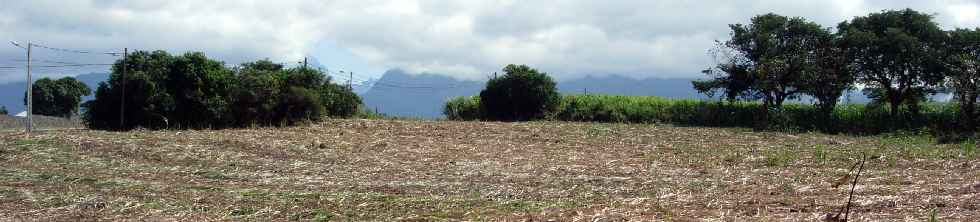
x=466 y=39
x=964 y=14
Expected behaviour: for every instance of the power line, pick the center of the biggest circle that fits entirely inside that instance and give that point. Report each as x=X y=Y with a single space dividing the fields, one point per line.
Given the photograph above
x=75 y=51
x=72 y=65
x=402 y=85
x=50 y=61
x=18 y=45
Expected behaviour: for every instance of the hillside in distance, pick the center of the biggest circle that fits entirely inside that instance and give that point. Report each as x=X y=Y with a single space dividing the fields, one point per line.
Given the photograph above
x=401 y=94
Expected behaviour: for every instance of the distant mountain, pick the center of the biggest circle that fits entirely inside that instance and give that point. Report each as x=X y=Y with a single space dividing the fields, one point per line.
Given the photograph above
x=401 y=94
x=398 y=93
x=12 y=93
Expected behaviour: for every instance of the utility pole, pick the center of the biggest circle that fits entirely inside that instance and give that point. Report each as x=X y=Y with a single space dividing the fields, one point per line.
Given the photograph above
x=304 y=62
x=122 y=100
x=30 y=92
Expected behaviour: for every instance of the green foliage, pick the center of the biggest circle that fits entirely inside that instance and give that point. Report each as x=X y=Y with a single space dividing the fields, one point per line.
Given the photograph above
x=969 y=147
x=462 y=108
x=521 y=94
x=963 y=63
x=300 y=104
x=855 y=119
x=57 y=97
x=829 y=76
x=193 y=91
x=256 y=97
x=896 y=54
x=774 y=58
x=199 y=88
x=366 y=113
x=3 y=110
x=339 y=101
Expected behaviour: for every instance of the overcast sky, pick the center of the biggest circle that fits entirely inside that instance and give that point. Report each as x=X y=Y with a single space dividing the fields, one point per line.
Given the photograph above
x=465 y=39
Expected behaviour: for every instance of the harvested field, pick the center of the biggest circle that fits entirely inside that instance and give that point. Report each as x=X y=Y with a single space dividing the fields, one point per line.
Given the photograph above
x=385 y=170
x=11 y=123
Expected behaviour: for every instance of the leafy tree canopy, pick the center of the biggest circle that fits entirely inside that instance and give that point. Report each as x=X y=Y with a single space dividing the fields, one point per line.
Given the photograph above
x=963 y=71
x=896 y=55
x=57 y=97
x=193 y=91
x=521 y=94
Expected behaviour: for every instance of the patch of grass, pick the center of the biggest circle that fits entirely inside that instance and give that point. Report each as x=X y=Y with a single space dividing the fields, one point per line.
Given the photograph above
x=779 y=157
x=240 y=212
x=969 y=148
x=820 y=153
x=212 y=175
x=7 y=192
x=313 y=215
x=933 y=215
x=23 y=143
x=598 y=130
x=206 y=189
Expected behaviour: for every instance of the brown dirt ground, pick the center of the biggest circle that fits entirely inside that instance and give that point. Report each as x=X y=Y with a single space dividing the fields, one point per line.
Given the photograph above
x=391 y=170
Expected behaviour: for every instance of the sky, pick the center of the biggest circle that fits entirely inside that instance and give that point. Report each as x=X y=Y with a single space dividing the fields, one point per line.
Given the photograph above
x=464 y=39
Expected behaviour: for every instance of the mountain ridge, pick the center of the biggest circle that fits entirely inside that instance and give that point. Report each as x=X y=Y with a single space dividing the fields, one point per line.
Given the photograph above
x=398 y=93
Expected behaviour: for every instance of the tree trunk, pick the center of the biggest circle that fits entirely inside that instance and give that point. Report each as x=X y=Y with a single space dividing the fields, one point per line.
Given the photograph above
x=895 y=100
x=968 y=113
x=763 y=122
x=826 y=108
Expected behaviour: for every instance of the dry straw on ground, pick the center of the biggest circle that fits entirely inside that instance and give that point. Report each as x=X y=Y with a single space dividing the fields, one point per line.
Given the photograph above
x=382 y=170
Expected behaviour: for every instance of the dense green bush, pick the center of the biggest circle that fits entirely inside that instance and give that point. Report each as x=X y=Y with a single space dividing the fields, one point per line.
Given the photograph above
x=856 y=119
x=192 y=91
x=462 y=108
x=57 y=97
x=521 y=94
x=339 y=101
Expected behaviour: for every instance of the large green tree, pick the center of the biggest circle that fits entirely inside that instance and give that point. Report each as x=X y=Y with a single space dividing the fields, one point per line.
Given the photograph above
x=963 y=67
x=766 y=60
x=256 y=96
x=147 y=102
x=192 y=91
x=829 y=76
x=199 y=87
x=896 y=55
x=57 y=97
x=266 y=93
x=521 y=94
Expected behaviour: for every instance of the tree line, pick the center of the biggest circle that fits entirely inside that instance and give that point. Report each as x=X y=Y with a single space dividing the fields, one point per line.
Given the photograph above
x=899 y=57
x=160 y=90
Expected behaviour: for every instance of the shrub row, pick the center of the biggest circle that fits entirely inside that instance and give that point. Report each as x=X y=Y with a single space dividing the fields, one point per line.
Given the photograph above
x=850 y=118
x=161 y=90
